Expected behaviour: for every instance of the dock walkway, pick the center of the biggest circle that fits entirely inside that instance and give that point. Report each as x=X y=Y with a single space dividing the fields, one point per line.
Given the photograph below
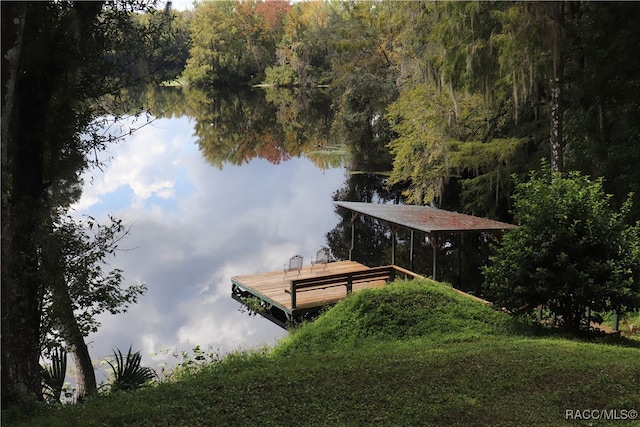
x=287 y=299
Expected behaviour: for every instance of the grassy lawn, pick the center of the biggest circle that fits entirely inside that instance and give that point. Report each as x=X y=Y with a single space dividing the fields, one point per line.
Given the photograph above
x=408 y=354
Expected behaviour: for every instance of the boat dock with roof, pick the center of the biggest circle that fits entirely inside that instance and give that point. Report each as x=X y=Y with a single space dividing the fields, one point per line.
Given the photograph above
x=297 y=292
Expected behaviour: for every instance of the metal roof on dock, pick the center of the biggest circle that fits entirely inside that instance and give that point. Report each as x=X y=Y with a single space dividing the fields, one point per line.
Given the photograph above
x=425 y=218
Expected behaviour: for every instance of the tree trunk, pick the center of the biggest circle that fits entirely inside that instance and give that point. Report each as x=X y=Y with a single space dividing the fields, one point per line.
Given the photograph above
x=555 y=134
x=557 y=16
x=85 y=374
x=44 y=56
x=20 y=302
x=12 y=28
x=22 y=204
x=68 y=325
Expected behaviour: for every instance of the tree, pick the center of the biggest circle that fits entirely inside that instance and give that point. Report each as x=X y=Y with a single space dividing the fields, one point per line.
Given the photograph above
x=510 y=52
x=464 y=105
x=169 y=51
x=65 y=63
x=78 y=289
x=437 y=139
x=302 y=50
x=603 y=98
x=33 y=88
x=419 y=120
x=571 y=251
x=216 y=51
x=232 y=42
x=272 y=14
x=363 y=81
x=236 y=127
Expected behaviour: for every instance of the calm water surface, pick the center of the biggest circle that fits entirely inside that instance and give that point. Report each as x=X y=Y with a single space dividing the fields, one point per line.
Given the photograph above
x=193 y=226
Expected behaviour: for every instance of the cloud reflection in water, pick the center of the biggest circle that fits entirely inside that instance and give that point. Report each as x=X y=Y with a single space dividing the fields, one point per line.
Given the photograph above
x=193 y=227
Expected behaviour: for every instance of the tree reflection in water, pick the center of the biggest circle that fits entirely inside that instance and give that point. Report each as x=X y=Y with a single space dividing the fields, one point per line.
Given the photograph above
x=236 y=126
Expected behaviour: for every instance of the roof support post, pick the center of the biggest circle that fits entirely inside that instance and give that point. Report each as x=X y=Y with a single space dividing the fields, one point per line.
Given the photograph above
x=435 y=244
x=459 y=258
x=411 y=253
x=353 y=239
x=293 y=294
x=435 y=253
x=353 y=234
x=393 y=243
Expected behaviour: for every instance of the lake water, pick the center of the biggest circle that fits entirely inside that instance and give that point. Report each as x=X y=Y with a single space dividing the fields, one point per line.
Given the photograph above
x=193 y=227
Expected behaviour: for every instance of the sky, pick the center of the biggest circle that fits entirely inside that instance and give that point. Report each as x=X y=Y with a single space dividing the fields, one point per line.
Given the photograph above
x=179 y=4
x=193 y=227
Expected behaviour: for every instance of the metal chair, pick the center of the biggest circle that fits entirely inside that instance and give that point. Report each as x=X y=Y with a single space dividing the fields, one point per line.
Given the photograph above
x=295 y=264
x=322 y=257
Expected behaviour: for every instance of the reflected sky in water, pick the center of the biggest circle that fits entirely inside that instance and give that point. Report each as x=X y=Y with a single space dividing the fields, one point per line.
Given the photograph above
x=194 y=226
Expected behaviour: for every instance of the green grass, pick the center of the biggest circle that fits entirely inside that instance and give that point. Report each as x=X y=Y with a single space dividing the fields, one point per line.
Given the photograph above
x=423 y=310
x=408 y=354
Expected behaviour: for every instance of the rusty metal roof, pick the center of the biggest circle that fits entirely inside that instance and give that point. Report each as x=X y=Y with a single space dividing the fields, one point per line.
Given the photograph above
x=425 y=218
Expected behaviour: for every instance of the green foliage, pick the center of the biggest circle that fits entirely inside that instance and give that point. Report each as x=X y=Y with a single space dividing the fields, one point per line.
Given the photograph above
x=233 y=42
x=486 y=68
x=522 y=63
x=419 y=379
x=128 y=374
x=71 y=60
x=167 y=53
x=192 y=363
x=362 y=82
x=403 y=311
x=487 y=65
x=85 y=247
x=302 y=54
x=632 y=323
x=419 y=118
x=210 y=55
x=358 y=106
x=53 y=375
x=438 y=137
x=20 y=407
x=602 y=135
x=280 y=75
x=572 y=251
x=487 y=168
x=252 y=305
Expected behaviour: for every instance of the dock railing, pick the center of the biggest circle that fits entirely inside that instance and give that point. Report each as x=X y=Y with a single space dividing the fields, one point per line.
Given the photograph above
x=387 y=273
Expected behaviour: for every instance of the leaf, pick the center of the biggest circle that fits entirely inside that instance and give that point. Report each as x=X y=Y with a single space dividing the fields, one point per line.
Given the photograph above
x=128 y=374
x=53 y=375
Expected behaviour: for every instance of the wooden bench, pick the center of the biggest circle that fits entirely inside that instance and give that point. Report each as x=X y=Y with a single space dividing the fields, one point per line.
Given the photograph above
x=386 y=273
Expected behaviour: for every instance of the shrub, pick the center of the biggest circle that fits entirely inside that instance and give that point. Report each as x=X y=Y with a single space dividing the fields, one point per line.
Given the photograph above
x=572 y=252
x=128 y=374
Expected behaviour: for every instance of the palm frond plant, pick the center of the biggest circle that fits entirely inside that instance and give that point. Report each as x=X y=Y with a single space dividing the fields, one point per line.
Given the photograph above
x=128 y=374
x=53 y=375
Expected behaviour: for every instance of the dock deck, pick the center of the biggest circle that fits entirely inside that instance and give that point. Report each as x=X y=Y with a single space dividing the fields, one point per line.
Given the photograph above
x=286 y=300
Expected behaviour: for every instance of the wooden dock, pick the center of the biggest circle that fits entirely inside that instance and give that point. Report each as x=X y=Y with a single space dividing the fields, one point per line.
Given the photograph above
x=288 y=299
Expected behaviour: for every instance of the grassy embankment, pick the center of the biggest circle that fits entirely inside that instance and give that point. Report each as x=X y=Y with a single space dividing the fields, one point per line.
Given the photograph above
x=409 y=354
